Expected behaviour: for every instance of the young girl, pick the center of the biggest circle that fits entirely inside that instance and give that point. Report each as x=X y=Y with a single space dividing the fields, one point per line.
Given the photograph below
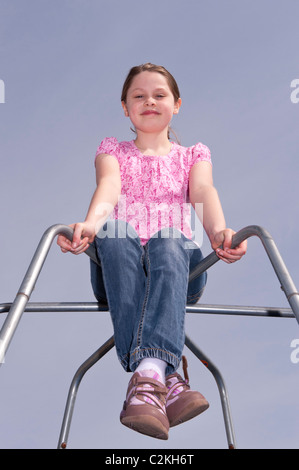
x=146 y=251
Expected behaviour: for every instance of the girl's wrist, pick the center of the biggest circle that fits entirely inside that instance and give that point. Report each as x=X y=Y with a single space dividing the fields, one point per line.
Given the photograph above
x=212 y=234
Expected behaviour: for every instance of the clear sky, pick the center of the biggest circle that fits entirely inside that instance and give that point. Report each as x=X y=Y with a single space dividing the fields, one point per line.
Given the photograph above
x=62 y=65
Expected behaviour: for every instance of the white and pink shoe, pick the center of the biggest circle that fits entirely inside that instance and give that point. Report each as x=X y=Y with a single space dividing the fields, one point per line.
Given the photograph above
x=182 y=403
x=151 y=408
x=144 y=408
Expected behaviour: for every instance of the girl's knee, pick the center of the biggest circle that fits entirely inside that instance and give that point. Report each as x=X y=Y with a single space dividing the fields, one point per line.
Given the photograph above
x=170 y=233
x=169 y=248
x=168 y=239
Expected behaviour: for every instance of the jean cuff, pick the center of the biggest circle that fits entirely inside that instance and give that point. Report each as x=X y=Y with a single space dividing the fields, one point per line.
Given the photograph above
x=138 y=354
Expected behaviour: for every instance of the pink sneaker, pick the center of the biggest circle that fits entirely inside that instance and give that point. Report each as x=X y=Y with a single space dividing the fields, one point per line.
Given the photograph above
x=144 y=408
x=182 y=403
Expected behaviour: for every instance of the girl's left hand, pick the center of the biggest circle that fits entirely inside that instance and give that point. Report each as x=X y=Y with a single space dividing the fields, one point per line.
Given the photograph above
x=226 y=253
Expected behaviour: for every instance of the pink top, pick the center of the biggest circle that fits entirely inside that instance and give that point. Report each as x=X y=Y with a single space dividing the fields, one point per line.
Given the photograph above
x=154 y=190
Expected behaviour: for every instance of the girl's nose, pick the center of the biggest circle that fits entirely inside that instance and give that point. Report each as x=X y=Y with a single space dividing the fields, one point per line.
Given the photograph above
x=150 y=102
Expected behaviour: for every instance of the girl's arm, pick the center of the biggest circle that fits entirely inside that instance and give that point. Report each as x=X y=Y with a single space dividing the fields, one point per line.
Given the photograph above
x=102 y=204
x=202 y=191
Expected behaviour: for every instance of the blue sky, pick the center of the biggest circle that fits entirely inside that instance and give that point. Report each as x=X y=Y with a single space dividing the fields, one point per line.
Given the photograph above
x=63 y=64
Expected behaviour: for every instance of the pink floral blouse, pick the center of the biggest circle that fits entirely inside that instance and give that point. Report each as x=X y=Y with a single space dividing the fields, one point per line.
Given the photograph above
x=154 y=192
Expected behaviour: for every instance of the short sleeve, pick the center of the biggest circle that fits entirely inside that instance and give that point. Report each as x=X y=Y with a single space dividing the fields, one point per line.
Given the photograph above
x=200 y=153
x=109 y=146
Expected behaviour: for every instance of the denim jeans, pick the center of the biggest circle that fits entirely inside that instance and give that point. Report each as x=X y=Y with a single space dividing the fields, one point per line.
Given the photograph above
x=146 y=288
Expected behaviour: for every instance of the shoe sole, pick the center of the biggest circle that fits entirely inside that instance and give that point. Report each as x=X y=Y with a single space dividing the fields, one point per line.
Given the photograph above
x=144 y=424
x=192 y=410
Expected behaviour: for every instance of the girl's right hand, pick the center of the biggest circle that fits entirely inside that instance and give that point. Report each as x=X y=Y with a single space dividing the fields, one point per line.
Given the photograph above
x=84 y=234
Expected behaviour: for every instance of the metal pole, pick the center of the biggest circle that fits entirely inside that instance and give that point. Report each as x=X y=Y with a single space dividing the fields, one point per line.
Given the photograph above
x=70 y=307
x=72 y=395
x=222 y=391
x=27 y=286
x=276 y=260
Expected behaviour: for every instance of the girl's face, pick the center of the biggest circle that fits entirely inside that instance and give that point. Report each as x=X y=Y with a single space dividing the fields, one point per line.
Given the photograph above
x=150 y=103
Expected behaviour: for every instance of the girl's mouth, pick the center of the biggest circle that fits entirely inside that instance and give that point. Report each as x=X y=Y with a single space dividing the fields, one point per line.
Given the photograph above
x=149 y=112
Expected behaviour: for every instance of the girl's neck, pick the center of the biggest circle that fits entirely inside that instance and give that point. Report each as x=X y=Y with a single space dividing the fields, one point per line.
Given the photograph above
x=153 y=144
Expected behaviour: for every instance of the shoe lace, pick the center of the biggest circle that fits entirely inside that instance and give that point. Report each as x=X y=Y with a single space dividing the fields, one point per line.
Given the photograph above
x=144 y=387
x=185 y=369
x=180 y=381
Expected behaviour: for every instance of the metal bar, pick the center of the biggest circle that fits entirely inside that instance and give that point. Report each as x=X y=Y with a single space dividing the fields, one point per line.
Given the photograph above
x=72 y=395
x=222 y=391
x=17 y=308
x=54 y=307
x=276 y=260
x=271 y=312
x=37 y=262
x=26 y=288
x=73 y=390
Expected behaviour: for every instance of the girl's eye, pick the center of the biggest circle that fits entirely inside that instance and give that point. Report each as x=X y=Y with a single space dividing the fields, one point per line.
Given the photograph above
x=142 y=96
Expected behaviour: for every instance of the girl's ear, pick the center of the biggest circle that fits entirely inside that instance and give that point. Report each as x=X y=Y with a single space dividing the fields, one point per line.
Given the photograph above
x=177 y=106
x=125 y=108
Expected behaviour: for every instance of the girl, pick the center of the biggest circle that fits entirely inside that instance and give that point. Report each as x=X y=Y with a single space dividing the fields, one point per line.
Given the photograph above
x=146 y=251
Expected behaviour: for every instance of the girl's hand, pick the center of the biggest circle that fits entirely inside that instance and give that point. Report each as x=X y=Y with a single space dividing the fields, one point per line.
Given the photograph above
x=226 y=253
x=83 y=235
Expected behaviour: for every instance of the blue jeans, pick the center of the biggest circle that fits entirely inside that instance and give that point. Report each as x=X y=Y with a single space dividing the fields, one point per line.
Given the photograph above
x=146 y=289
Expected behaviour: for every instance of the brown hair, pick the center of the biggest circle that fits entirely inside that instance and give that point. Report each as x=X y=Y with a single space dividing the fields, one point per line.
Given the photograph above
x=148 y=67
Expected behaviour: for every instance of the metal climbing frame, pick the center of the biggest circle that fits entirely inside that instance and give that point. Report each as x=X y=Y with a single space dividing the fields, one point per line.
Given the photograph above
x=21 y=304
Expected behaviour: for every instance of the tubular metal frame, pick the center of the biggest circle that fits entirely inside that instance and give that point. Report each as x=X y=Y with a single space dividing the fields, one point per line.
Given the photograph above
x=21 y=304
